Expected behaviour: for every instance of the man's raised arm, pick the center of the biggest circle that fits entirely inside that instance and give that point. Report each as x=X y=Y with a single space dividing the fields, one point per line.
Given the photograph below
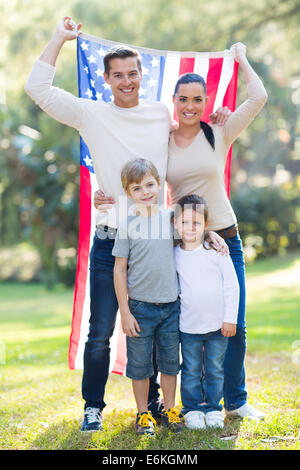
x=59 y=104
x=66 y=30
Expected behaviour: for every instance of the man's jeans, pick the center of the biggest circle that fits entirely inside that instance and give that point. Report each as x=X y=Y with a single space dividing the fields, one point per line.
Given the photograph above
x=104 y=307
x=235 y=393
x=202 y=374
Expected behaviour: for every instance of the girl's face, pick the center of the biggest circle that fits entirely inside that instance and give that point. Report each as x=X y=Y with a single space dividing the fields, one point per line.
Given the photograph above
x=190 y=101
x=190 y=226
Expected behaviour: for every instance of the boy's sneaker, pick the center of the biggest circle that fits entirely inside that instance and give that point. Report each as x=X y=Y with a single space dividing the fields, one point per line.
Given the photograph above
x=145 y=424
x=214 y=419
x=171 y=419
x=156 y=407
x=194 y=420
x=92 y=420
x=246 y=411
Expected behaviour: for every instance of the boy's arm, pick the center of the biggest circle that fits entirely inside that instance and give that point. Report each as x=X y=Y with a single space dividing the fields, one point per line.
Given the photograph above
x=129 y=324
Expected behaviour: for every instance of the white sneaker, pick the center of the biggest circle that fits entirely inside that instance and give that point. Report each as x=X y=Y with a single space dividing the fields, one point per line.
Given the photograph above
x=194 y=420
x=214 y=419
x=247 y=411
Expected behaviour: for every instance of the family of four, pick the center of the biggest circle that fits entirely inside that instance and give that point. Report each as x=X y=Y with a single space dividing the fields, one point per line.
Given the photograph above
x=167 y=271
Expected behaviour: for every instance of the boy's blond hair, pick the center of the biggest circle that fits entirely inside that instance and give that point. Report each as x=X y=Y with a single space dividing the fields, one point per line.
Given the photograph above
x=135 y=170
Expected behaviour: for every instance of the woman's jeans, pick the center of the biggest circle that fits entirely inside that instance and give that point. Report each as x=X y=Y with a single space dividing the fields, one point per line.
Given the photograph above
x=202 y=371
x=235 y=393
x=104 y=307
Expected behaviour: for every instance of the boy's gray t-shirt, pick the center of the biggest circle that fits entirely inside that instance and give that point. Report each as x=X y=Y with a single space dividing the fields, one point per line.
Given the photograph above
x=147 y=242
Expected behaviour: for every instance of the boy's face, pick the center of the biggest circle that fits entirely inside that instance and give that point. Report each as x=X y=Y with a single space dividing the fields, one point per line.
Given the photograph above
x=190 y=226
x=146 y=192
x=124 y=78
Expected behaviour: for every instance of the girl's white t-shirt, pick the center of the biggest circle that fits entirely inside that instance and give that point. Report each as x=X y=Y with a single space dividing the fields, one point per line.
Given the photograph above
x=209 y=290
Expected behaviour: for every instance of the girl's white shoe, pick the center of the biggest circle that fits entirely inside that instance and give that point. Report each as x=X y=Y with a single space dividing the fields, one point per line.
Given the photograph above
x=214 y=419
x=194 y=420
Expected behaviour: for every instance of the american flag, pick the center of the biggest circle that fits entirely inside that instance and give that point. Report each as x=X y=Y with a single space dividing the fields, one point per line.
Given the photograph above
x=161 y=70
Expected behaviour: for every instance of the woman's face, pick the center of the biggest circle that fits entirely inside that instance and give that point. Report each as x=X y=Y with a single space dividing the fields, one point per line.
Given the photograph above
x=190 y=101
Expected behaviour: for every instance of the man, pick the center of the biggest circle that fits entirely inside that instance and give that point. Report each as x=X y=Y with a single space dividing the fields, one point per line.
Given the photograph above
x=114 y=133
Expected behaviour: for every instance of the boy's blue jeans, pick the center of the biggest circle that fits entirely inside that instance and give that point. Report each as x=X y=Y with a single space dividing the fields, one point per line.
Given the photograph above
x=104 y=307
x=202 y=372
x=235 y=393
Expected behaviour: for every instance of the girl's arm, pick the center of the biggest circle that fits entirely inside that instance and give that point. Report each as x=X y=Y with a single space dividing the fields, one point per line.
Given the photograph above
x=129 y=324
x=231 y=295
x=257 y=96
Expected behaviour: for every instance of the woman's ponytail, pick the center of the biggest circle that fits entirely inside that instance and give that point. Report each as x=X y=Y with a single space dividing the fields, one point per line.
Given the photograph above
x=208 y=132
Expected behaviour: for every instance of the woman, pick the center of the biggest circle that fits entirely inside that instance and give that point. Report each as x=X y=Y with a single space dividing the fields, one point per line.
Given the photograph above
x=197 y=156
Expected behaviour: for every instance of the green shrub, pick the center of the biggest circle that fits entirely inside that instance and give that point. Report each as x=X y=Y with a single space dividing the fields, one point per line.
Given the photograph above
x=268 y=219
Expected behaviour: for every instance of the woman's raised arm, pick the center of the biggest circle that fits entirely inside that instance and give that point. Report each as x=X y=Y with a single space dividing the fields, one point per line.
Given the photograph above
x=257 y=96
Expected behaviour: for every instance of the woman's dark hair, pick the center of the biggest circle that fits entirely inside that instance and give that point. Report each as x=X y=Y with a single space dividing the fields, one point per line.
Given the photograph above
x=196 y=203
x=195 y=78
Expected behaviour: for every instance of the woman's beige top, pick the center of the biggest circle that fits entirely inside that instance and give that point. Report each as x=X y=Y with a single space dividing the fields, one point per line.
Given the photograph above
x=198 y=169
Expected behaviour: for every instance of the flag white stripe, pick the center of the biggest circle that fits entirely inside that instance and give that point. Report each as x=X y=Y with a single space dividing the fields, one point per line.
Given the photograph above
x=201 y=66
x=171 y=73
x=226 y=75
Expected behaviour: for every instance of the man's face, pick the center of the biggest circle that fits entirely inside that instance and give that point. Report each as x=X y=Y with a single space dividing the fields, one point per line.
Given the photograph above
x=124 y=78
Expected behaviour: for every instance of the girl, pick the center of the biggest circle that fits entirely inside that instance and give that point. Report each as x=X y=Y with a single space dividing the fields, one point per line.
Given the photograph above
x=209 y=307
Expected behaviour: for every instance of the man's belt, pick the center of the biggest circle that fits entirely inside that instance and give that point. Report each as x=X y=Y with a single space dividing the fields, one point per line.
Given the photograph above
x=228 y=232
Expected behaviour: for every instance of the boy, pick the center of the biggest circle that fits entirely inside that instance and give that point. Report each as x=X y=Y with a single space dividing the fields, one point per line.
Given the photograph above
x=145 y=271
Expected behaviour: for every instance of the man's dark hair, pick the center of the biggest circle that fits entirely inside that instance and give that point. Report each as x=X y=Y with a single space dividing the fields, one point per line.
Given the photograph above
x=121 y=52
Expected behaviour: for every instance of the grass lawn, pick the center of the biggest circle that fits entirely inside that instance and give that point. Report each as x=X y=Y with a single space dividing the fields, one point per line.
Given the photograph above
x=40 y=398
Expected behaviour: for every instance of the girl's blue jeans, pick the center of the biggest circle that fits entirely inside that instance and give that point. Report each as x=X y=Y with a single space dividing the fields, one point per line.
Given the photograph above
x=202 y=372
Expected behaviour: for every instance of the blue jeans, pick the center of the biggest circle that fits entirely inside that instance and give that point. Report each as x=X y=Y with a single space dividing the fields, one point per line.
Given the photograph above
x=202 y=371
x=104 y=307
x=159 y=323
x=235 y=393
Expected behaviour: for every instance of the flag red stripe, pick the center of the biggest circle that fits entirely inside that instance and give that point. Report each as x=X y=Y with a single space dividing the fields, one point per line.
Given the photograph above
x=186 y=65
x=82 y=262
x=212 y=83
x=230 y=101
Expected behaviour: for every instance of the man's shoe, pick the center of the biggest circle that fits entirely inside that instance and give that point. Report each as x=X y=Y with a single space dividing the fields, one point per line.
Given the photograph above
x=171 y=419
x=214 y=419
x=156 y=407
x=145 y=424
x=246 y=411
x=194 y=420
x=92 y=420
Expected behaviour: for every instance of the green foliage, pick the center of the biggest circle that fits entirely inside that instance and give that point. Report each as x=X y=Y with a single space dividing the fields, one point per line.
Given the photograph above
x=268 y=218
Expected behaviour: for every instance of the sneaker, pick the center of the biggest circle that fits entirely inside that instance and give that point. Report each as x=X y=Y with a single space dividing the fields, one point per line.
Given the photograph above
x=145 y=424
x=246 y=411
x=194 y=420
x=156 y=407
x=214 y=419
x=171 y=419
x=92 y=420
